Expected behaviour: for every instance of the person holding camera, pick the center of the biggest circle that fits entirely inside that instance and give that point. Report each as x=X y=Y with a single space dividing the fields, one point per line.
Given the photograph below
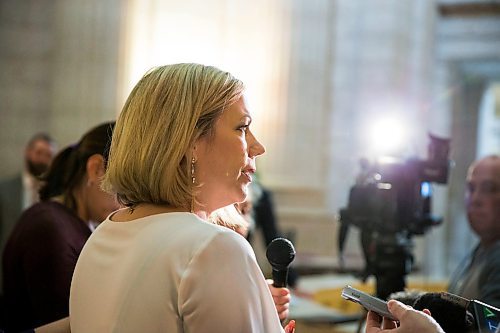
x=478 y=275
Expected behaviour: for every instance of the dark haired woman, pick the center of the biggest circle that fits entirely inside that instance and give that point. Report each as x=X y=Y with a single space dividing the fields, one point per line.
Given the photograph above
x=43 y=249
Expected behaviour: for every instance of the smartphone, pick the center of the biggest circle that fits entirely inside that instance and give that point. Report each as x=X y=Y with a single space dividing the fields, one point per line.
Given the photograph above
x=369 y=302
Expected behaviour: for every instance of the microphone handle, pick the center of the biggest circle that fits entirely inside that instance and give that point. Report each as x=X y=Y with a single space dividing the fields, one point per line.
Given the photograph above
x=280 y=278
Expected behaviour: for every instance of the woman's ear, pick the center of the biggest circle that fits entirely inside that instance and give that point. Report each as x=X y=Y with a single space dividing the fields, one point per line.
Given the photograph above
x=95 y=167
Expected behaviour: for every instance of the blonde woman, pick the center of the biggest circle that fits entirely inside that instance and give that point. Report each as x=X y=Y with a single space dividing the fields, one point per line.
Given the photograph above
x=182 y=150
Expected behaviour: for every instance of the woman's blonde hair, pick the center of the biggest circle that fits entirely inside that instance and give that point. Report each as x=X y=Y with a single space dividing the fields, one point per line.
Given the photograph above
x=166 y=112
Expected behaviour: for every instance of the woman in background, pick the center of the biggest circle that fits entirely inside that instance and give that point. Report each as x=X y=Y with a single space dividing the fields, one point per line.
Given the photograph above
x=42 y=250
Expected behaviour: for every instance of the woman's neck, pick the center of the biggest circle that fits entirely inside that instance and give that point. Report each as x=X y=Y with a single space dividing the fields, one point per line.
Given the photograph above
x=78 y=210
x=143 y=210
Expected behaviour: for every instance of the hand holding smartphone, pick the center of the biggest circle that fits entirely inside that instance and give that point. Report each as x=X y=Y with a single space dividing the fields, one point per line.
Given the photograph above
x=369 y=302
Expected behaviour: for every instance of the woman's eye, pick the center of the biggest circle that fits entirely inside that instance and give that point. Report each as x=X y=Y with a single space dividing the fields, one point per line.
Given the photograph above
x=244 y=128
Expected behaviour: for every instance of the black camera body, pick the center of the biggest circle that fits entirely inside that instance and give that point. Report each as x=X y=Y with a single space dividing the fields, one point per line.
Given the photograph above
x=390 y=202
x=396 y=196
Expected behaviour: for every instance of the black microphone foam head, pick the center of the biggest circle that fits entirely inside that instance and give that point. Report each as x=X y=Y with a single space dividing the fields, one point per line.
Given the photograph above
x=280 y=253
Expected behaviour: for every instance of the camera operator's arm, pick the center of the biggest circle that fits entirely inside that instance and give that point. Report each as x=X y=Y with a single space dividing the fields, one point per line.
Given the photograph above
x=411 y=321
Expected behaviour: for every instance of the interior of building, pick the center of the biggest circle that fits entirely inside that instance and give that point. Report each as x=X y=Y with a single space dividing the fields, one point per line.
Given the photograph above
x=330 y=83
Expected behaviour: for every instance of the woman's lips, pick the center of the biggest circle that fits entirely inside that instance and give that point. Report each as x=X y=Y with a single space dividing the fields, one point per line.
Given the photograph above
x=248 y=174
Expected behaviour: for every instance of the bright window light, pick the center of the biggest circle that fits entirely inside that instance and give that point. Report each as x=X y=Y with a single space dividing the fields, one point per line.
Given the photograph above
x=213 y=32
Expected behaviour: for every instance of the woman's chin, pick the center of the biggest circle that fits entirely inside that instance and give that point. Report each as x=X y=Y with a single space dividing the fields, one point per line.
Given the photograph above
x=244 y=193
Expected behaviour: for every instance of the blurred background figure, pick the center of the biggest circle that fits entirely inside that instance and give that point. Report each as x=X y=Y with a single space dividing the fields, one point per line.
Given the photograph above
x=21 y=191
x=478 y=275
x=364 y=177
x=38 y=156
x=365 y=172
x=41 y=252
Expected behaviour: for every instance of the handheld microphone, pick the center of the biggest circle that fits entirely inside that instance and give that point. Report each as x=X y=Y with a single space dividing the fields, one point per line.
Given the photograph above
x=280 y=254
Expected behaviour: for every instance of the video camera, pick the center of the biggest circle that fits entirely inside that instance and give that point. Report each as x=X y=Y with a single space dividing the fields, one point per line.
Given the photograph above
x=396 y=196
x=390 y=202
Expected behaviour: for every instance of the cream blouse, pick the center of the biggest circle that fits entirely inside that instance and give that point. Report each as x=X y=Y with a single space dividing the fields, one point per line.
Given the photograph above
x=170 y=272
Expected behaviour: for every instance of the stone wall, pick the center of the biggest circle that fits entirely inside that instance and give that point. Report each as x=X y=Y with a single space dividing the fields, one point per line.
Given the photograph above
x=59 y=71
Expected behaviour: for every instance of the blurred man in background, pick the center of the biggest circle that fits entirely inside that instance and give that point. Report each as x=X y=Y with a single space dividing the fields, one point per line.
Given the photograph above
x=478 y=275
x=20 y=192
x=38 y=156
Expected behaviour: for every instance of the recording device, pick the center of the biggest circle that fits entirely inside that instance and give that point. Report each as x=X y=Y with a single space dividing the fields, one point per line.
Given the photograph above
x=396 y=195
x=369 y=302
x=280 y=254
x=454 y=313
x=486 y=317
x=391 y=203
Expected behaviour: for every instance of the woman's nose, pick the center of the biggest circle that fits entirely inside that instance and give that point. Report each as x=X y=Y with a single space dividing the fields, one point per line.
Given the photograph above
x=255 y=148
